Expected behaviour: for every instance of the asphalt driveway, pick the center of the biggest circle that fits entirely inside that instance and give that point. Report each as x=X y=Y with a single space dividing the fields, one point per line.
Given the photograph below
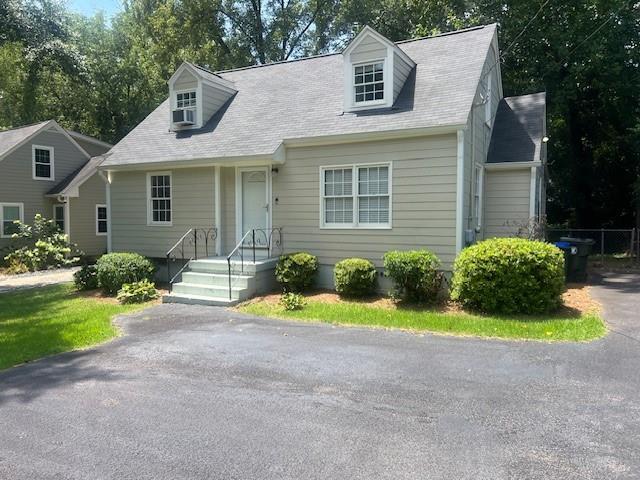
x=198 y=392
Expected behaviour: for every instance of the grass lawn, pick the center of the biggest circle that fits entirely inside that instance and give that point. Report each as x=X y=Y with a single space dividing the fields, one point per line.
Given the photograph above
x=43 y=321
x=570 y=326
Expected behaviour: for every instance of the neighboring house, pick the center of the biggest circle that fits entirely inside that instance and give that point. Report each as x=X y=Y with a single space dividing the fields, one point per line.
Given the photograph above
x=383 y=146
x=48 y=170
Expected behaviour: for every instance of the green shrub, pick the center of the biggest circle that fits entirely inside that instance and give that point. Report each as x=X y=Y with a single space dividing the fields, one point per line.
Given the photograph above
x=292 y=301
x=509 y=275
x=415 y=274
x=116 y=269
x=355 y=277
x=40 y=246
x=86 y=278
x=137 y=292
x=296 y=271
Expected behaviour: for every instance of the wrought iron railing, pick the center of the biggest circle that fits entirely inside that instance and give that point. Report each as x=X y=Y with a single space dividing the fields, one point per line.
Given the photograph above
x=257 y=240
x=196 y=242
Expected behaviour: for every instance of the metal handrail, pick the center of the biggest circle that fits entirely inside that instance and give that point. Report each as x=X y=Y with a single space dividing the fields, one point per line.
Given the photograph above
x=191 y=235
x=268 y=234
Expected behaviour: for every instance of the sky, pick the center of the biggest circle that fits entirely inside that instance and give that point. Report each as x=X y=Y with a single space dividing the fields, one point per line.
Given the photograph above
x=91 y=7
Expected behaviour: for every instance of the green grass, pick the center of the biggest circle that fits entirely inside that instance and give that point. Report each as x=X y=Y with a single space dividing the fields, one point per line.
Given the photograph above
x=43 y=321
x=553 y=328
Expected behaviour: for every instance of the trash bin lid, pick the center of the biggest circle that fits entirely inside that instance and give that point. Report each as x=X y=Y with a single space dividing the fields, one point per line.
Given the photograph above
x=578 y=241
x=563 y=245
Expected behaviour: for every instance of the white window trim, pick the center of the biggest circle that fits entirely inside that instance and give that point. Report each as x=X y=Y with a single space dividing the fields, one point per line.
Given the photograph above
x=356 y=198
x=150 y=222
x=98 y=232
x=188 y=90
x=478 y=187
x=369 y=103
x=64 y=215
x=50 y=178
x=9 y=204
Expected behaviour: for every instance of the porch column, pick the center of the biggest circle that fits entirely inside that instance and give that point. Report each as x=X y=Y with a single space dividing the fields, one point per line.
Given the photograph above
x=218 y=209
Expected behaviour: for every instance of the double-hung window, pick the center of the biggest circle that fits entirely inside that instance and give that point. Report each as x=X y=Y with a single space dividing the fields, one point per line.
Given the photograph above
x=368 y=82
x=42 y=162
x=101 y=220
x=356 y=196
x=186 y=100
x=9 y=213
x=159 y=198
x=58 y=216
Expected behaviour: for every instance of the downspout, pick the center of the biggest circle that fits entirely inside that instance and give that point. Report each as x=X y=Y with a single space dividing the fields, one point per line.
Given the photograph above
x=107 y=180
x=460 y=193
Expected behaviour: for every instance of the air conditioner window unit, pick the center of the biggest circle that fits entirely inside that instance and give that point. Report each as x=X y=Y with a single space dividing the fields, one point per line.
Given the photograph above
x=184 y=116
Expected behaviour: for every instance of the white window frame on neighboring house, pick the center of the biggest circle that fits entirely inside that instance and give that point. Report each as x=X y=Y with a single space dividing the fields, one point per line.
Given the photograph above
x=56 y=219
x=51 y=164
x=105 y=220
x=354 y=75
x=2 y=207
x=478 y=182
x=150 y=200
x=356 y=197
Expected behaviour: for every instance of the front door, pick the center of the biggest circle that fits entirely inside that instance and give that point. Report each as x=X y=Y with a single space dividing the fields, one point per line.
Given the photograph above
x=254 y=208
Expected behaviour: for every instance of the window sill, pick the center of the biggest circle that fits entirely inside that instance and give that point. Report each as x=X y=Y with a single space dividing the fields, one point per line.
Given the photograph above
x=159 y=224
x=46 y=179
x=356 y=227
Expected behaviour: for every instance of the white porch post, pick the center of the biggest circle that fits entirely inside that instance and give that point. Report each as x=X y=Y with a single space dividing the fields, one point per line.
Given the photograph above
x=218 y=209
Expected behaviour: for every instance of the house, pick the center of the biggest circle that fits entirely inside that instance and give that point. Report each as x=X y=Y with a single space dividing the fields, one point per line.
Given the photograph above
x=382 y=146
x=48 y=170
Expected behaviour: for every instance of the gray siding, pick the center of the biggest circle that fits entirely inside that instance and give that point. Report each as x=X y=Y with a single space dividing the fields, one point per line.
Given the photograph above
x=16 y=176
x=477 y=138
x=193 y=206
x=401 y=71
x=186 y=81
x=212 y=99
x=368 y=49
x=423 y=204
x=506 y=201
x=82 y=211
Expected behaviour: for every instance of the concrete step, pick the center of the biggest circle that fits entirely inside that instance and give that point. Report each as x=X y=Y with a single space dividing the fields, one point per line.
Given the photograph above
x=220 y=266
x=218 y=279
x=211 y=291
x=198 y=300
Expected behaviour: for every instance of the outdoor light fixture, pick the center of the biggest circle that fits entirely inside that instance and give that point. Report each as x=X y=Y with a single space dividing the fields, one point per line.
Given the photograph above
x=545 y=139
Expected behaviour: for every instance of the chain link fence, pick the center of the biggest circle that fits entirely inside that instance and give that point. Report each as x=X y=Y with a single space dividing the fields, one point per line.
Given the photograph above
x=612 y=247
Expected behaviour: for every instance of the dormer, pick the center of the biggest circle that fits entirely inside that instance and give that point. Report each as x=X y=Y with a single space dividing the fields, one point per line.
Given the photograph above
x=375 y=70
x=195 y=95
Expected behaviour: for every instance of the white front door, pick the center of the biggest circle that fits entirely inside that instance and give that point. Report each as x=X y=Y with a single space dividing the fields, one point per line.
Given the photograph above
x=254 y=203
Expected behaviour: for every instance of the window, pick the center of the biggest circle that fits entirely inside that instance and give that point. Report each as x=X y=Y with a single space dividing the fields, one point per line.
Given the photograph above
x=42 y=163
x=477 y=196
x=186 y=100
x=357 y=196
x=9 y=213
x=159 y=198
x=368 y=82
x=101 y=220
x=58 y=216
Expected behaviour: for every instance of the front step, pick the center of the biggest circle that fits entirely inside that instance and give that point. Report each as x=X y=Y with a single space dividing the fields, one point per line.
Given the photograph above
x=198 y=300
x=206 y=282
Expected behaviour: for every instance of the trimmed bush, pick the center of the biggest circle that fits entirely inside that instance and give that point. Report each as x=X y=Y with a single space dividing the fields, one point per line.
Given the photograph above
x=292 y=301
x=116 y=269
x=509 y=275
x=355 y=277
x=414 y=273
x=137 y=292
x=296 y=271
x=86 y=278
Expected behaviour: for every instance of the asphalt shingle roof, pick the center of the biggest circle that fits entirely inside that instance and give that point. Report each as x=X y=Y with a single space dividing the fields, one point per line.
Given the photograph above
x=78 y=177
x=518 y=129
x=12 y=137
x=304 y=98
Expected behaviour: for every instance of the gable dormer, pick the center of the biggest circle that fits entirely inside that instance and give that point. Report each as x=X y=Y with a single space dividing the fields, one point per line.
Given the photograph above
x=375 y=70
x=195 y=95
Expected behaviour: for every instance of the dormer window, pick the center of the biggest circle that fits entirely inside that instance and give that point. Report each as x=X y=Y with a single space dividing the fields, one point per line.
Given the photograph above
x=186 y=100
x=368 y=82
